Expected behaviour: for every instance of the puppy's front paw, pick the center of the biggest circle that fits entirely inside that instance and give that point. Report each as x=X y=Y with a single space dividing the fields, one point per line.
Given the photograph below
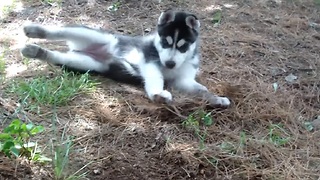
x=218 y=101
x=35 y=31
x=162 y=97
x=33 y=51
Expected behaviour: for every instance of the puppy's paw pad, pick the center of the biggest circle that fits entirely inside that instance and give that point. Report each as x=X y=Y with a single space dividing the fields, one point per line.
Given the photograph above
x=163 y=97
x=34 y=31
x=220 y=101
x=31 y=51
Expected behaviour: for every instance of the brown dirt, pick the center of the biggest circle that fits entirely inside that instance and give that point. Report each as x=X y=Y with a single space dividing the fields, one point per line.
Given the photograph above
x=127 y=137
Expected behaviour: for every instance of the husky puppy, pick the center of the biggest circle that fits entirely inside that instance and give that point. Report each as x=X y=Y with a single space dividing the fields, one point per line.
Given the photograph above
x=168 y=56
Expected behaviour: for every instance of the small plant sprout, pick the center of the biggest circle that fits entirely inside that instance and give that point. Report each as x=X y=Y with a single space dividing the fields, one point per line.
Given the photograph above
x=243 y=139
x=115 y=6
x=61 y=150
x=228 y=147
x=217 y=16
x=309 y=126
x=16 y=140
x=277 y=135
x=61 y=161
x=193 y=123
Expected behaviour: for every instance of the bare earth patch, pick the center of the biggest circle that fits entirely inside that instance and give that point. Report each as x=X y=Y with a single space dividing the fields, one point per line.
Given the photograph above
x=264 y=55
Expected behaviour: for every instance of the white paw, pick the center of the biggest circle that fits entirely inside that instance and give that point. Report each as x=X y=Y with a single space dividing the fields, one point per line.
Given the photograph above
x=219 y=101
x=30 y=50
x=163 y=96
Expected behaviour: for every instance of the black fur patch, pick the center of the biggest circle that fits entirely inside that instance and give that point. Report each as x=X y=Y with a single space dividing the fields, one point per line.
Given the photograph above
x=116 y=72
x=126 y=44
x=150 y=52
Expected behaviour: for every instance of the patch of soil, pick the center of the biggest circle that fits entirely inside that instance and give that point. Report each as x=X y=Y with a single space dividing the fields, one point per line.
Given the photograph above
x=14 y=170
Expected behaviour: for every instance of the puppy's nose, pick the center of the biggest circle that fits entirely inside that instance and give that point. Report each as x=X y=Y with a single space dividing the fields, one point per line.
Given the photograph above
x=170 y=64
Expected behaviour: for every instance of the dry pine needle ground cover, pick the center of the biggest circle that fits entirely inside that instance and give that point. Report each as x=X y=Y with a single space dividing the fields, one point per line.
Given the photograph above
x=264 y=55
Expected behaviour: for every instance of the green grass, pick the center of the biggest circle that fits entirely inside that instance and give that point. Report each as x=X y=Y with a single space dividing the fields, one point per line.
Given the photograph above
x=233 y=148
x=48 y=91
x=61 y=160
x=277 y=135
x=2 y=68
x=7 y=6
x=61 y=149
x=2 y=64
x=5 y=44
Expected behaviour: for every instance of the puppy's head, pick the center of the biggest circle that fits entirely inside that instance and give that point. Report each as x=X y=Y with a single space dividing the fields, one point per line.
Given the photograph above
x=176 y=38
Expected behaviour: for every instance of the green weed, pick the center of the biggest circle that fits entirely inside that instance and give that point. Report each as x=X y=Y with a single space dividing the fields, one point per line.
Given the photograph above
x=16 y=140
x=228 y=147
x=25 y=61
x=277 y=135
x=193 y=122
x=115 y=6
x=243 y=139
x=217 y=16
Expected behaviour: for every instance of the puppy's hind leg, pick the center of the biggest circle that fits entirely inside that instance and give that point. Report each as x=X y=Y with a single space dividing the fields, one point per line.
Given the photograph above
x=80 y=36
x=74 y=60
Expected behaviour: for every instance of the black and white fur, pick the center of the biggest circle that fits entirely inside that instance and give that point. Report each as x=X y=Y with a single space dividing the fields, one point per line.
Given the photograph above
x=169 y=55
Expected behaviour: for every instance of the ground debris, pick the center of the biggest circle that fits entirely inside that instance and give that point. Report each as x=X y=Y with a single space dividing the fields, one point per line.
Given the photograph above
x=264 y=56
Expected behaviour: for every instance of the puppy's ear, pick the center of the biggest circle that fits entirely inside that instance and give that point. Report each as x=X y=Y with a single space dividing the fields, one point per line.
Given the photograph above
x=166 y=17
x=193 y=22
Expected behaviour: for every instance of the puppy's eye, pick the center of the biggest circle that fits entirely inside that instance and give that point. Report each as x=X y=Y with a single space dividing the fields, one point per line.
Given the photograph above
x=183 y=48
x=169 y=40
x=166 y=42
x=181 y=43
